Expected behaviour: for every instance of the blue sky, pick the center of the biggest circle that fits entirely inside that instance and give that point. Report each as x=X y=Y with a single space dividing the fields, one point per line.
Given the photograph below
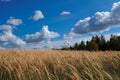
x=31 y=22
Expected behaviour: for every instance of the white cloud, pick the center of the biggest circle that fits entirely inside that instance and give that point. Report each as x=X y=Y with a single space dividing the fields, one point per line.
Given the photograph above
x=8 y=39
x=38 y=15
x=5 y=0
x=55 y=44
x=65 y=13
x=62 y=43
x=99 y=22
x=43 y=35
x=14 y=22
x=5 y=28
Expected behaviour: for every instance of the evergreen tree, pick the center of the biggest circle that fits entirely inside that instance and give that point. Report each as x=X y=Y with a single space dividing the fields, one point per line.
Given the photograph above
x=82 y=46
x=97 y=43
x=92 y=46
x=76 y=46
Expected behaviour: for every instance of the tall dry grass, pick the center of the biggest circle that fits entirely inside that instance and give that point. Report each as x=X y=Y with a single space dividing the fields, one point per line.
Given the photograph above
x=59 y=65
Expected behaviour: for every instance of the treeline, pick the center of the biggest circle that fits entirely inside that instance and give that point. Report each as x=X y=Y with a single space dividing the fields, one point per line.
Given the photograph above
x=97 y=43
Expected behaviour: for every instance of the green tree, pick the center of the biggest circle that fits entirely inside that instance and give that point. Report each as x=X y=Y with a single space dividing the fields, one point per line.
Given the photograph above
x=82 y=46
x=103 y=44
x=114 y=42
x=65 y=48
x=76 y=46
x=92 y=46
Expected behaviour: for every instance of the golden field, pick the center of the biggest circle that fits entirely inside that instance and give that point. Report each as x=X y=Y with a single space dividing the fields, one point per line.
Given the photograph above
x=59 y=65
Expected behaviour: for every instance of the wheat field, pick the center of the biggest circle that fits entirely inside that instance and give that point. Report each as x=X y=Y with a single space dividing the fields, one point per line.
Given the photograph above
x=59 y=65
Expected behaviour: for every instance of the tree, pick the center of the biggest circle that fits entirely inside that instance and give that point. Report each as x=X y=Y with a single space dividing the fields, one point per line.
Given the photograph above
x=97 y=43
x=103 y=44
x=82 y=46
x=92 y=46
x=76 y=46
x=65 y=48
x=114 y=42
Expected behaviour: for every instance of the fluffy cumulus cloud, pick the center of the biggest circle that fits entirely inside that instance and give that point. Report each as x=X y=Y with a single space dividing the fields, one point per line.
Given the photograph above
x=65 y=13
x=43 y=35
x=14 y=22
x=56 y=44
x=6 y=27
x=38 y=15
x=99 y=22
x=7 y=38
x=10 y=40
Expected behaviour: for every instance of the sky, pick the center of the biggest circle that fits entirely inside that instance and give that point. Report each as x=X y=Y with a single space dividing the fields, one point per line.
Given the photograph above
x=47 y=24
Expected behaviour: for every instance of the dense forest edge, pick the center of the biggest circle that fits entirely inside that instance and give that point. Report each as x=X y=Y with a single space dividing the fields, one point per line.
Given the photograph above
x=97 y=43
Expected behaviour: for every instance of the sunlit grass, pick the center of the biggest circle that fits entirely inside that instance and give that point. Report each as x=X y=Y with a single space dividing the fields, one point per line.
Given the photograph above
x=59 y=65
